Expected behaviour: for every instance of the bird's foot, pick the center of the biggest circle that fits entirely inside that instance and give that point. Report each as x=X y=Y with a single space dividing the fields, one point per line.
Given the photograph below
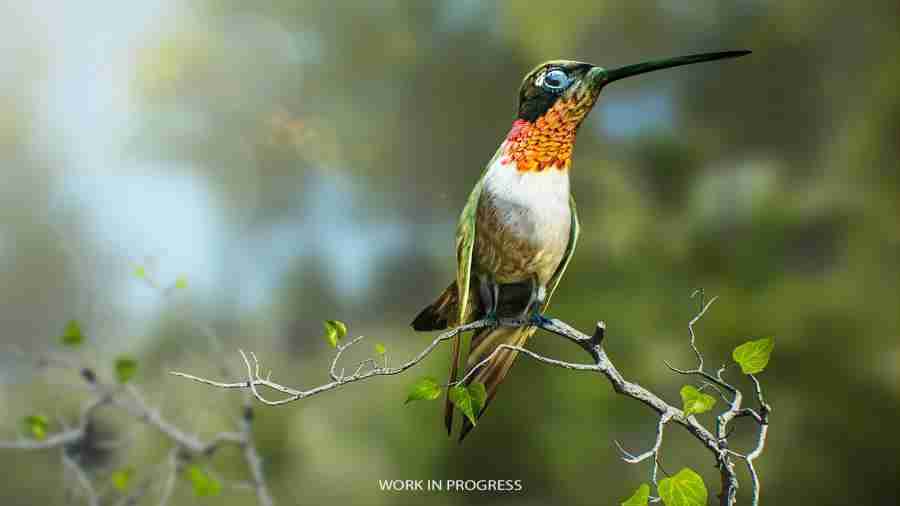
x=538 y=320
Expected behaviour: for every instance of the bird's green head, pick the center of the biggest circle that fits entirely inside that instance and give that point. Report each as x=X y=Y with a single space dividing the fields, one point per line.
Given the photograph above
x=578 y=84
x=557 y=95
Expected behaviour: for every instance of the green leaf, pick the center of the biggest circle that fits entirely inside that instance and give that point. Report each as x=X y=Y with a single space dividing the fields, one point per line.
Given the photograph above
x=462 y=399
x=334 y=331
x=121 y=478
x=204 y=484
x=140 y=272
x=36 y=426
x=72 y=335
x=753 y=356
x=426 y=389
x=685 y=488
x=181 y=282
x=695 y=401
x=478 y=395
x=640 y=497
x=126 y=368
x=380 y=349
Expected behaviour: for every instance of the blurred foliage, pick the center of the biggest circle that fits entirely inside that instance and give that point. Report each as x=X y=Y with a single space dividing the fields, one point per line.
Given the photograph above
x=337 y=142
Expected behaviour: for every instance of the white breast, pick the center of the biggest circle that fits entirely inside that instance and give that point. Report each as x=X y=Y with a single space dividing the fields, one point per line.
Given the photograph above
x=533 y=204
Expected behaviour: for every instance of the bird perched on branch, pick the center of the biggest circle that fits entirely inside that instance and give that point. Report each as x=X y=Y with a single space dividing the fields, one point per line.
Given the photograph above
x=518 y=229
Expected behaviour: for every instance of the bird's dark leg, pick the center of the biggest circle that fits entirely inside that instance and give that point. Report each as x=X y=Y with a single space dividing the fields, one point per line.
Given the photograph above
x=532 y=310
x=490 y=297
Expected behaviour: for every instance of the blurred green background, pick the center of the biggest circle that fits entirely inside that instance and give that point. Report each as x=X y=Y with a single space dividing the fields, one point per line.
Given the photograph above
x=300 y=160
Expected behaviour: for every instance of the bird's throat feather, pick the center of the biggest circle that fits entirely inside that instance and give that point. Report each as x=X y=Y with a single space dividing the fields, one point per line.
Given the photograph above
x=546 y=142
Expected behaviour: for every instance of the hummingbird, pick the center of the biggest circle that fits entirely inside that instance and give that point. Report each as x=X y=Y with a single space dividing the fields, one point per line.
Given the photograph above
x=519 y=227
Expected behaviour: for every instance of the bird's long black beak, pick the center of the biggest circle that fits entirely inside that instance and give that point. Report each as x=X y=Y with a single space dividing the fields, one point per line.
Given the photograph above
x=602 y=77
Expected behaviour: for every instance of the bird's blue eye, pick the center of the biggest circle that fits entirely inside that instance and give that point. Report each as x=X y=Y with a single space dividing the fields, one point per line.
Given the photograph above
x=556 y=80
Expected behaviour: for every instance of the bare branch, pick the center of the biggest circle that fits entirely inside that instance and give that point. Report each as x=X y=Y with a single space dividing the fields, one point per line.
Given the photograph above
x=251 y=455
x=53 y=441
x=698 y=370
x=536 y=356
x=652 y=452
x=171 y=475
x=254 y=380
x=138 y=408
x=760 y=445
x=84 y=482
x=129 y=400
x=714 y=442
x=188 y=445
x=694 y=320
x=601 y=364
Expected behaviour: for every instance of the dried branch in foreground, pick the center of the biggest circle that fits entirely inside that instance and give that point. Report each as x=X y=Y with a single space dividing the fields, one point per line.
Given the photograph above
x=714 y=441
x=127 y=400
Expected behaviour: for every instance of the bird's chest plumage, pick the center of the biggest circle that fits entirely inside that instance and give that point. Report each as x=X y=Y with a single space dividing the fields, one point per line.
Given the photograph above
x=523 y=223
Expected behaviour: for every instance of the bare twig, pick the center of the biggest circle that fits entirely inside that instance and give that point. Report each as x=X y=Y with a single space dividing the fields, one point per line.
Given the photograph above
x=171 y=475
x=694 y=320
x=652 y=452
x=84 y=482
x=251 y=455
x=53 y=441
x=762 y=418
x=255 y=380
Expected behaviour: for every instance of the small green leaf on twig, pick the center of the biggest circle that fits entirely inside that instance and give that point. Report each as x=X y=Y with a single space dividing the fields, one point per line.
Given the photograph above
x=203 y=483
x=126 y=368
x=121 y=478
x=181 y=282
x=478 y=395
x=140 y=272
x=695 y=401
x=72 y=335
x=426 y=389
x=753 y=356
x=36 y=426
x=640 y=497
x=462 y=399
x=380 y=349
x=335 y=330
x=685 y=488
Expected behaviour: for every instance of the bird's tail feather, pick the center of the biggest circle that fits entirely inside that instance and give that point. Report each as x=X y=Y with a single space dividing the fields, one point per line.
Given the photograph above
x=491 y=375
x=439 y=314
